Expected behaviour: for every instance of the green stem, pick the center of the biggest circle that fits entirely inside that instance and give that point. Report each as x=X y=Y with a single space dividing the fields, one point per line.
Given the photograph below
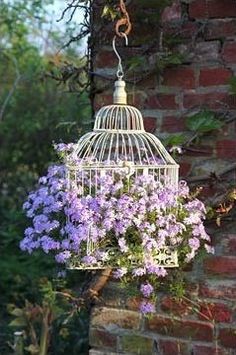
x=18 y=343
x=45 y=330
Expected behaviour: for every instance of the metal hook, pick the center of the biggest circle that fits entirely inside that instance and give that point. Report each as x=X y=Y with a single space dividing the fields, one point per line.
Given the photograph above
x=120 y=72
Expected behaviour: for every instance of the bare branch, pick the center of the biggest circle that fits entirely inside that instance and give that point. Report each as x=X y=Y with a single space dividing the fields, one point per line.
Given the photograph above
x=209 y=177
x=13 y=88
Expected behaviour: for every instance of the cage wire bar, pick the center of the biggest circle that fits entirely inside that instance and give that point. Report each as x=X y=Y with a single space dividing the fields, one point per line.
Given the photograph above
x=119 y=141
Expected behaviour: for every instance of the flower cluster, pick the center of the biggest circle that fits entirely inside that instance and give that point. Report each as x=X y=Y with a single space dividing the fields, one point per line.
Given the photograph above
x=118 y=221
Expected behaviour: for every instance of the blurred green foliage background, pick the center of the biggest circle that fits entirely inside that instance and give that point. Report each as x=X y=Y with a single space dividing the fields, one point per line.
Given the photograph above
x=34 y=112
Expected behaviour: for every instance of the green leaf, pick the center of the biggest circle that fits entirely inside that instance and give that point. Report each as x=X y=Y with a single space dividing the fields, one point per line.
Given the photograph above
x=32 y=349
x=136 y=63
x=109 y=12
x=17 y=312
x=18 y=322
x=203 y=121
x=175 y=140
x=232 y=83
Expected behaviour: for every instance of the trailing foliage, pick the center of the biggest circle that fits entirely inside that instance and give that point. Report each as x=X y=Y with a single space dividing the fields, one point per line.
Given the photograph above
x=51 y=325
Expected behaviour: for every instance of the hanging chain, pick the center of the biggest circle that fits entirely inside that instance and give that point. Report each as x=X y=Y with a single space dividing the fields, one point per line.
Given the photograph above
x=124 y=21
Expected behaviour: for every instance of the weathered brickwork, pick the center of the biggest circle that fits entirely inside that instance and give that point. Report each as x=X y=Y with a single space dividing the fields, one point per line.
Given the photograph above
x=200 y=324
x=205 y=322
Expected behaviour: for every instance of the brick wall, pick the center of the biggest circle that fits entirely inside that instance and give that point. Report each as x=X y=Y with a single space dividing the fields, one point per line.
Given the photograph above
x=202 y=323
x=206 y=29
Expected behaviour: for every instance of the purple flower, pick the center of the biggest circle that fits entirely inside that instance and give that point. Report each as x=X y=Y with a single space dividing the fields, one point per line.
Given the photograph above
x=122 y=245
x=183 y=189
x=89 y=260
x=48 y=244
x=194 y=243
x=146 y=289
x=43 y=180
x=147 y=307
x=190 y=256
x=139 y=271
x=119 y=273
x=152 y=268
x=102 y=255
x=162 y=233
x=68 y=221
x=26 y=205
x=193 y=218
x=63 y=257
x=62 y=147
x=209 y=248
x=28 y=244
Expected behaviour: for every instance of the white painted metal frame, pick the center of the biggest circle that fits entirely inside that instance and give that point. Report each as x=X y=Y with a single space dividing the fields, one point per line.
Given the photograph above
x=119 y=141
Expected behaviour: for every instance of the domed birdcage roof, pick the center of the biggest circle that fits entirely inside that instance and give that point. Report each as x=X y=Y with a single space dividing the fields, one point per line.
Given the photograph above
x=119 y=135
x=119 y=140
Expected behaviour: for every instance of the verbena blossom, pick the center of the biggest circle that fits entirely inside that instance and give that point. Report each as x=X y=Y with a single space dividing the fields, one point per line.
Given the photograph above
x=119 y=273
x=147 y=307
x=118 y=226
x=146 y=289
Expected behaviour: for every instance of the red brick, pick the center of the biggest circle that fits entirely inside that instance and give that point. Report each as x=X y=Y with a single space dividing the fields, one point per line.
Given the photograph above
x=172 y=124
x=226 y=149
x=227 y=337
x=208 y=191
x=213 y=100
x=149 y=82
x=230 y=246
x=230 y=101
x=100 y=338
x=102 y=100
x=172 y=13
x=103 y=317
x=216 y=76
x=206 y=350
x=133 y=303
x=183 y=30
x=189 y=329
x=216 y=29
x=105 y=59
x=185 y=169
x=179 y=77
x=221 y=265
x=168 y=347
x=177 y=307
x=134 y=344
x=200 y=150
x=215 y=311
x=135 y=100
x=212 y=8
x=189 y=29
x=161 y=101
x=229 y=52
x=150 y=124
x=219 y=290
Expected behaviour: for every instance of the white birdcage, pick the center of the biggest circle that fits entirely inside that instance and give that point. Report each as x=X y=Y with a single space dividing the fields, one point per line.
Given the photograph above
x=119 y=141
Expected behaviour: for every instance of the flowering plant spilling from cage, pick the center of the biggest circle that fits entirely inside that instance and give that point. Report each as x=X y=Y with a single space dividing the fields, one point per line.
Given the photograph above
x=116 y=202
x=123 y=226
